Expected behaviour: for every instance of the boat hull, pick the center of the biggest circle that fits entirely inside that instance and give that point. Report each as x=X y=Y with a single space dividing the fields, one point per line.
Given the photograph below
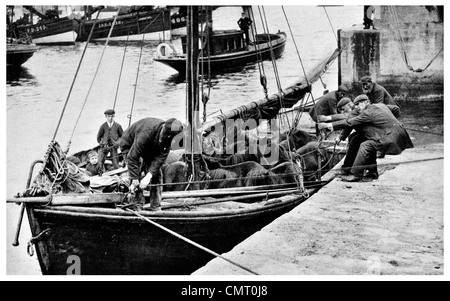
x=18 y=54
x=115 y=242
x=149 y=26
x=59 y=32
x=217 y=63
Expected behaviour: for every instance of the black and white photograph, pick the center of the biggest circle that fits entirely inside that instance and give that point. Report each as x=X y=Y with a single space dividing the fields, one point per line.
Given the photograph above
x=238 y=141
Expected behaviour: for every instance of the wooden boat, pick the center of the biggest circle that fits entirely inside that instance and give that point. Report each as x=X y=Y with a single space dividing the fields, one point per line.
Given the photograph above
x=90 y=233
x=224 y=49
x=50 y=29
x=144 y=23
x=18 y=53
x=229 y=51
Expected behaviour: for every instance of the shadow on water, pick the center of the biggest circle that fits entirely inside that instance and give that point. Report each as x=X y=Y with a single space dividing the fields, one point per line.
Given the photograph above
x=424 y=121
x=19 y=76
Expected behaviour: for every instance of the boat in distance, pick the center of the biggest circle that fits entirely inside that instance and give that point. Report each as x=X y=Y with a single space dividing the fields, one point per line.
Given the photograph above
x=18 y=53
x=228 y=51
x=146 y=23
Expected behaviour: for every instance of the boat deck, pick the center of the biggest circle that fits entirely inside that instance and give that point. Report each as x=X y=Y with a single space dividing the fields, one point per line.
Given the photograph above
x=390 y=226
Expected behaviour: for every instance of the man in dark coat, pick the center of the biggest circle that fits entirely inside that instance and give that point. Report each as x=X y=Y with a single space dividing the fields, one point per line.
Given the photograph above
x=244 y=24
x=382 y=132
x=108 y=136
x=327 y=104
x=376 y=93
x=146 y=144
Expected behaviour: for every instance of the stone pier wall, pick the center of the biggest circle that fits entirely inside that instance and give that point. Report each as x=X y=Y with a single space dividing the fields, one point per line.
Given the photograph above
x=404 y=53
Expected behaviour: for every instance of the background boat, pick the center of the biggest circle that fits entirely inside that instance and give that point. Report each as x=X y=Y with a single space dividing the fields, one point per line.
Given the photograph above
x=18 y=50
x=133 y=24
x=18 y=53
x=223 y=56
x=50 y=29
x=224 y=49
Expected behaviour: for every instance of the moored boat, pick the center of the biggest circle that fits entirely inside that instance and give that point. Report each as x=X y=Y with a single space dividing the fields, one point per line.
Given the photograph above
x=18 y=53
x=228 y=51
x=50 y=29
x=145 y=23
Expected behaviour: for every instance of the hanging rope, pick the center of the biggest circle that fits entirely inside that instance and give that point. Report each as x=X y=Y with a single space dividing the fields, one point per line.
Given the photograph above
x=76 y=74
x=95 y=75
x=135 y=82
x=298 y=55
x=329 y=21
x=121 y=68
x=393 y=12
x=262 y=73
x=205 y=97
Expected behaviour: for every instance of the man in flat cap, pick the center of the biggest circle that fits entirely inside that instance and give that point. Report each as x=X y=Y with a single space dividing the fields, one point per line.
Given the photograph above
x=146 y=144
x=376 y=93
x=327 y=104
x=108 y=137
x=381 y=132
x=344 y=107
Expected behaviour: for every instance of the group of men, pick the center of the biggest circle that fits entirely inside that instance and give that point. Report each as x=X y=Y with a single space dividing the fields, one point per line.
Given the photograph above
x=369 y=122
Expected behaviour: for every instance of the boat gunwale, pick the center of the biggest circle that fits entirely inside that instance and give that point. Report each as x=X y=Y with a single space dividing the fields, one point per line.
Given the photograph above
x=109 y=213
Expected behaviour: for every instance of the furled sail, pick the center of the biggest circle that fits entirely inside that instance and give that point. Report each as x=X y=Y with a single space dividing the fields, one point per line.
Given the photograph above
x=268 y=108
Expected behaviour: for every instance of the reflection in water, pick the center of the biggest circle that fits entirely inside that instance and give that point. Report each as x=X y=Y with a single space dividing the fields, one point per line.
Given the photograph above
x=19 y=76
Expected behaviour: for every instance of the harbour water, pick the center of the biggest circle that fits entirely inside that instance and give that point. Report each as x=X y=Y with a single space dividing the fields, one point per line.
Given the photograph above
x=37 y=92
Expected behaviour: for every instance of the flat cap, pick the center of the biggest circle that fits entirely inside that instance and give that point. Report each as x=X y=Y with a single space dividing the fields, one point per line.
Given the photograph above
x=110 y=112
x=172 y=127
x=360 y=98
x=366 y=79
x=343 y=88
x=91 y=153
x=343 y=102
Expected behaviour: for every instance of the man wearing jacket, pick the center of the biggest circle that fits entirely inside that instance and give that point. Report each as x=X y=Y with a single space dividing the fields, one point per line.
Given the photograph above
x=381 y=131
x=327 y=104
x=146 y=144
x=108 y=136
x=376 y=93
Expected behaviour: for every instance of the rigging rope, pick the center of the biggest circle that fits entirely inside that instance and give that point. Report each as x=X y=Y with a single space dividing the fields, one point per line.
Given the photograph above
x=262 y=73
x=121 y=68
x=95 y=75
x=205 y=97
x=76 y=74
x=135 y=82
x=332 y=28
x=298 y=54
x=277 y=76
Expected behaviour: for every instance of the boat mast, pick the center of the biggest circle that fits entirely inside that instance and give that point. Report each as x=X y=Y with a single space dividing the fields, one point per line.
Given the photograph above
x=193 y=147
x=249 y=13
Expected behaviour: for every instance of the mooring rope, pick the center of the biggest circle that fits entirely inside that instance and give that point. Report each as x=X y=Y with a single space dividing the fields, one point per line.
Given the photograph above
x=185 y=239
x=394 y=15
